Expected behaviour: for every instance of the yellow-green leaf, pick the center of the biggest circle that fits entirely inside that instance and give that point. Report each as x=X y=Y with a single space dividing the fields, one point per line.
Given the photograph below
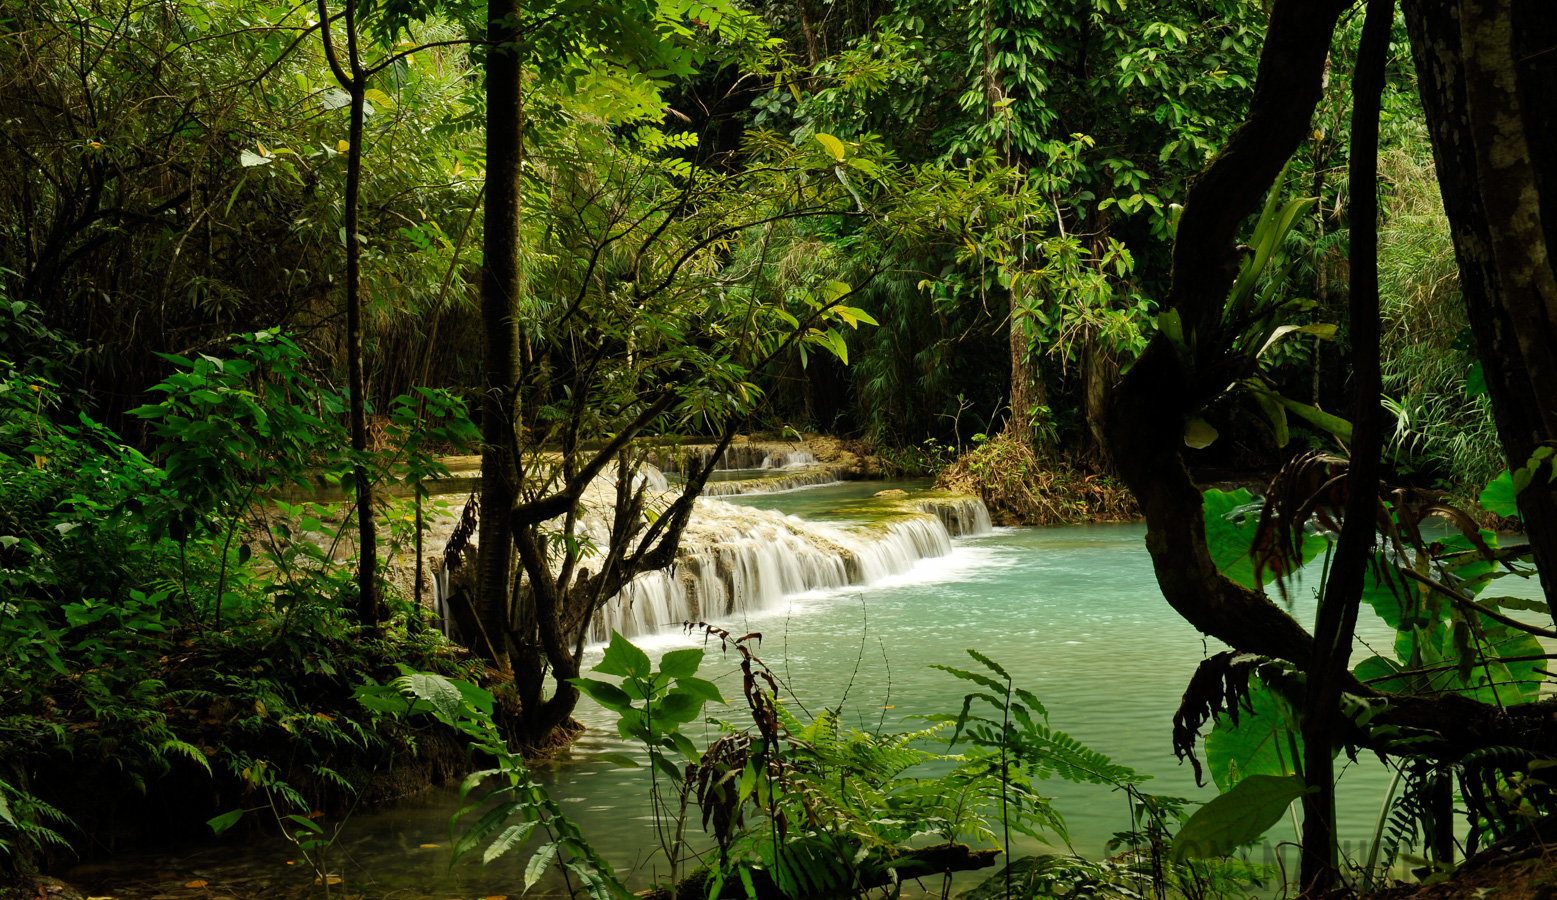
x=833 y=145
x=1199 y=434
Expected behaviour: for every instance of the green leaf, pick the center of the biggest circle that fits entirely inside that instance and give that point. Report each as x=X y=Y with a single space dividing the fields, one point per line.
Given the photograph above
x=1237 y=817
x=678 y=706
x=989 y=663
x=748 y=781
x=853 y=312
x=624 y=659
x=1316 y=416
x=306 y=823
x=621 y=760
x=378 y=98
x=703 y=690
x=436 y=690
x=604 y=693
x=1199 y=434
x=1230 y=526
x=1324 y=331
x=1266 y=741
x=1381 y=674
x=1499 y=496
x=218 y=824
x=1476 y=380
x=681 y=663
x=1507 y=603
x=1277 y=414
x=484 y=826
x=538 y=864
x=512 y=837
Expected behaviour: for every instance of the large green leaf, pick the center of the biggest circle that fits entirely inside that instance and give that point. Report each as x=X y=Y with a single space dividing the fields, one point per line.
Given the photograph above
x=436 y=690
x=1500 y=496
x=1231 y=519
x=678 y=707
x=681 y=663
x=1266 y=741
x=624 y=659
x=1237 y=817
x=604 y=693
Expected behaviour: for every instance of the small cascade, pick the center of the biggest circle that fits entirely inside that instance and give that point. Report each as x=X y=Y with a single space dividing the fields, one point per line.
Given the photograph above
x=797 y=459
x=962 y=516
x=736 y=560
x=772 y=485
x=655 y=478
x=741 y=456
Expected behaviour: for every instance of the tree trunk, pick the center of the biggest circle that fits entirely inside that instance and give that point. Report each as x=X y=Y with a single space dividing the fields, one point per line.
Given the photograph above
x=1488 y=94
x=1027 y=393
x=354 y=81
x=1337 y=617
x=1099 y=371
x=499 y=292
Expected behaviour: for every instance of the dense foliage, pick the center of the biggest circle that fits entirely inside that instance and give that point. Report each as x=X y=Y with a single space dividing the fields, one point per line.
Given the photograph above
x=262 y=260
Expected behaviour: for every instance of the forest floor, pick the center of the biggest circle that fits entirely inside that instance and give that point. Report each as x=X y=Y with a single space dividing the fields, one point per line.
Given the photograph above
x=1529 y=874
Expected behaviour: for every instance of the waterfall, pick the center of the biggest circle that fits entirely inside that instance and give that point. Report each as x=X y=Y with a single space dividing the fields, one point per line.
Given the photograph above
x=736 y=560
x=961 y=515
x=654 y=478
x=774 y=485
x=741 y=456
x=796 y=459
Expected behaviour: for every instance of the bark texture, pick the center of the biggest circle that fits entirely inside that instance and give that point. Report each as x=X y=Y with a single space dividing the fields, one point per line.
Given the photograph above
x=499 y=292
x=1488 y=80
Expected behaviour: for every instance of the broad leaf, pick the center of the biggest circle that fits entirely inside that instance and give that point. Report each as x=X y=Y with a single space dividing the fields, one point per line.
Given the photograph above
x=833 y=145
x=218 y=824
x=1266 y=741
x=604 y=693
x=436 y=690
x=681 y=663
x=624 y=659
x=1237 y=817
x=1499 y=496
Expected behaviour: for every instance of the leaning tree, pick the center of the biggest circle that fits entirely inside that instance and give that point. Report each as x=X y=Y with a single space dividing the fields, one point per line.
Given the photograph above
x=1487 y=75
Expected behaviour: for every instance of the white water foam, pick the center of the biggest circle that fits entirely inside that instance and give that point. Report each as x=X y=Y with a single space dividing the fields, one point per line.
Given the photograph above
x=738 y=562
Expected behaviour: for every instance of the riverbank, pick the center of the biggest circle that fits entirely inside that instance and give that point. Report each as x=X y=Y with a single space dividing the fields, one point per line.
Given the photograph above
x=1021 y=489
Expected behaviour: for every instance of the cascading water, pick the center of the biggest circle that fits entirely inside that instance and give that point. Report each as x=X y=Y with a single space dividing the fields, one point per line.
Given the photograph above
x=772 y=484
x=741 y=456
x=736 y=560
x=960 y=515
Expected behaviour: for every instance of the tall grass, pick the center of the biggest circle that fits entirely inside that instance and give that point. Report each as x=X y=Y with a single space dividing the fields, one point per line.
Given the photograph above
x=1441 y=433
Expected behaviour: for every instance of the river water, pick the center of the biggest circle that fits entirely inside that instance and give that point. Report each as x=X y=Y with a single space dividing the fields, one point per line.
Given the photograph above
x=1073 y=613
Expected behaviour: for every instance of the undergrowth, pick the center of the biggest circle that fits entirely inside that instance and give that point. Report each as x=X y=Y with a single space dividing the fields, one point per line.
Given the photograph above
x=1020 y=488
